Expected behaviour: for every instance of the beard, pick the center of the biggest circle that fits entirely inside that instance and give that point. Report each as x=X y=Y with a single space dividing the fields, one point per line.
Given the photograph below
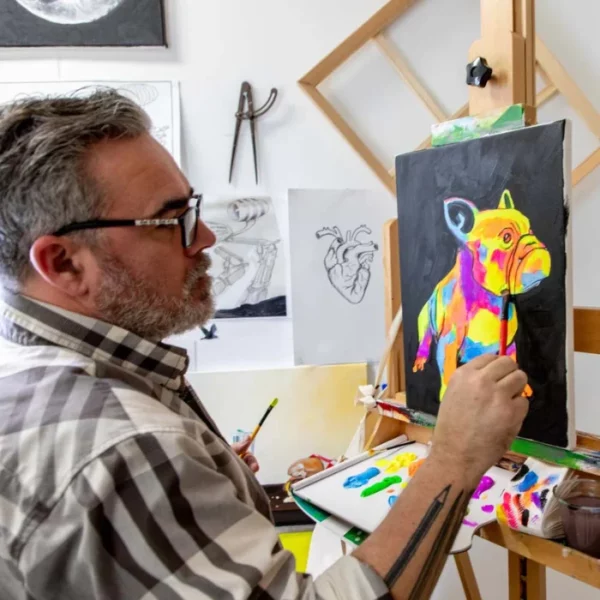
x=138 y=304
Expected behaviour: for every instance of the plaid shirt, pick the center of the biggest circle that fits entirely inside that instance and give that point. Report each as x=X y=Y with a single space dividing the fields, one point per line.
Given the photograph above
x=115 y=483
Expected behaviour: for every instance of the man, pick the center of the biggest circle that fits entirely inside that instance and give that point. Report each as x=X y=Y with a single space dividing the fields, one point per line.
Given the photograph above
x=114 y=481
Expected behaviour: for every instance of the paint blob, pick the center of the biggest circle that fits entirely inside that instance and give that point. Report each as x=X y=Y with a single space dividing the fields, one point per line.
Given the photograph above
x=356 y=481
x=528 y=482
x=488 y=508
x=380 y=485
x=415 y=466
x=393 y=465
x=486 y=483
x=469 y=523
x=392 y=499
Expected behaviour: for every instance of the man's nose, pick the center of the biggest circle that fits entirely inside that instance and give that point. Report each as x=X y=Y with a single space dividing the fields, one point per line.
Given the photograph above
x=205 y=238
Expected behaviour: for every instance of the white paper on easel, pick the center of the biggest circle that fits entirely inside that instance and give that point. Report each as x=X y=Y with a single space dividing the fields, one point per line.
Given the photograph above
x=336 y=257
x=160 y=100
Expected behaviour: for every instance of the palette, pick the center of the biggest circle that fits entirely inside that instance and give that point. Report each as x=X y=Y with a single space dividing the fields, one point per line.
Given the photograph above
x=363 y=492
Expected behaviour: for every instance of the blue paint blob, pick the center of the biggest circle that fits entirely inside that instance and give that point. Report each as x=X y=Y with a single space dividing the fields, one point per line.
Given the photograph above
x=392 y=499
x=356 y=481
x=528 y=482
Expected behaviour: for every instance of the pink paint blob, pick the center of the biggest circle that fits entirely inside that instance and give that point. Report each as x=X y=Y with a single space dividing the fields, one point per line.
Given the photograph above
x=469 y=523
x=488 y=508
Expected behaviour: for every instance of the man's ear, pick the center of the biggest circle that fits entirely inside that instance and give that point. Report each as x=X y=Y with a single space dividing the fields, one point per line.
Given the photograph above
x=60 y=262
x=460 y=217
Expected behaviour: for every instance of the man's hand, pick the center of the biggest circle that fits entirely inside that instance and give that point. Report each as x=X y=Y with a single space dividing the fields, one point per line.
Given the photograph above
x=241 y=449
x=482 y=413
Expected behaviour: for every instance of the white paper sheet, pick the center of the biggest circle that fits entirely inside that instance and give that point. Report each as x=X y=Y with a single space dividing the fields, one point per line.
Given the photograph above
x=248 y=265
x=337 y=274
x=160 y=99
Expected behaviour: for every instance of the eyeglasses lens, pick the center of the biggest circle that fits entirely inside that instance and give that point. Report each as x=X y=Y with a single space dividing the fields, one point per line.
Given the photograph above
x=190 y=226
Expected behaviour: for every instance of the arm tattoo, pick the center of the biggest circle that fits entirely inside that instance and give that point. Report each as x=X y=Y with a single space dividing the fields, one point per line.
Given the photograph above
x=417 y=537
x=445 y=538
x=432 y=569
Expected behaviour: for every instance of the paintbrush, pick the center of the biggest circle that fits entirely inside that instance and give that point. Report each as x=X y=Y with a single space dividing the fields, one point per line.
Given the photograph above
x=504 y=322
x=261 y=422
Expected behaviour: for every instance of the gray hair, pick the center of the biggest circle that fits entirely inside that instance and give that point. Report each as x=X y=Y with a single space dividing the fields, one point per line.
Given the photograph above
x=43 y=181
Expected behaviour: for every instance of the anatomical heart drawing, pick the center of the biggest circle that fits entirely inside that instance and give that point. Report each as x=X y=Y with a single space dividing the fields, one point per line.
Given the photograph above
x=337 y=274
x=484 y=237
x=348 y=261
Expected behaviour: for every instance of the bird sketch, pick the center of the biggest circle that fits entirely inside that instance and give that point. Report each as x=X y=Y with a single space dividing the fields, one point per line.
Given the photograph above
x=238 y=254
x=210 y=333
x=348 y=261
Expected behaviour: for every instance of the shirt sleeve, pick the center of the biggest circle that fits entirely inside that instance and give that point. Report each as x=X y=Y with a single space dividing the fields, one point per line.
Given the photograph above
x=154 y=517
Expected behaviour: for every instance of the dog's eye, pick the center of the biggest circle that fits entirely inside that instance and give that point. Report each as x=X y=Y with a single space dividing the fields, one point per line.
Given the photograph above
x=507 y=238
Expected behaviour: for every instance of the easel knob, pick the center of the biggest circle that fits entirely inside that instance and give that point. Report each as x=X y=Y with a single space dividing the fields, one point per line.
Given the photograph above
x=478 y=72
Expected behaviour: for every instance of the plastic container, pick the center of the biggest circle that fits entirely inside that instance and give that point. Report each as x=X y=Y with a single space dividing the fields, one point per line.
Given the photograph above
x=579 y=503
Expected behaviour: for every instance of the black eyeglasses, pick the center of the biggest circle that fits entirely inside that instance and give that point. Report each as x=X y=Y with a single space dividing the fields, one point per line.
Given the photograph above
x=188 y=223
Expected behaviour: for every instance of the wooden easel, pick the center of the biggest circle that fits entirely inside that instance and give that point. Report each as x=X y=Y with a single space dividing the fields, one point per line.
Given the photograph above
x=508 y=43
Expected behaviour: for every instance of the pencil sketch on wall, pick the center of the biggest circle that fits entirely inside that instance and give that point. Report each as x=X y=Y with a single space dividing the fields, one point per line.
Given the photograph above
x=248 y=273
x=348 y=261
x=337 y=285
x=160 y=100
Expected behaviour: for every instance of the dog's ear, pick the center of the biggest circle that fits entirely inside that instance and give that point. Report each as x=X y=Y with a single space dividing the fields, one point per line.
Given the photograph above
x=506 y=200
x=460 y=217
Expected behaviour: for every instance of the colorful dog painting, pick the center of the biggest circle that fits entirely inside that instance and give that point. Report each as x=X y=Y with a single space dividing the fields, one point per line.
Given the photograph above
x=498 y=254
x=484 y=224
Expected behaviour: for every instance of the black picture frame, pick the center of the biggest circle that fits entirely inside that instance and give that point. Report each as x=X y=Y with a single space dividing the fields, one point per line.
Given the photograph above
x=99 y=23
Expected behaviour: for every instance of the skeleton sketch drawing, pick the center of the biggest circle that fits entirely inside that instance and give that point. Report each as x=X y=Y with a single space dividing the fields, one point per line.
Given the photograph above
x=247 y=274
x=348 y=261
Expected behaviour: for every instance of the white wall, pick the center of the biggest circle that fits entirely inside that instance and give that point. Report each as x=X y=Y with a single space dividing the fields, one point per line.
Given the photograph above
x=214 y=45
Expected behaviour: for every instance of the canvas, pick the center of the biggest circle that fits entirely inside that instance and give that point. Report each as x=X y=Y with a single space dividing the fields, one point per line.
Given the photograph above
x=248 y=266
x=484 y=224
x=310 y=400
x=160 y=100
x=82 y=23
x=337 y=274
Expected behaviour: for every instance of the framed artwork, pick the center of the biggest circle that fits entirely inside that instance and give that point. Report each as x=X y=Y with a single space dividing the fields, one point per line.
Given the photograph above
x=82 y=23
x=484 y=236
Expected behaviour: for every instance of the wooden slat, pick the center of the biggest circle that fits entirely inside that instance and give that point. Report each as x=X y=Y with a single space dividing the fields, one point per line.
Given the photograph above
x=545 y=552
x=384 y=17
x=350 y=135
x=545 y=94
x=467 y=576
x=392 y=53
x=391 y=281
x=586 y=323
x=568 y=88
x=514 y=576
x=586 y=167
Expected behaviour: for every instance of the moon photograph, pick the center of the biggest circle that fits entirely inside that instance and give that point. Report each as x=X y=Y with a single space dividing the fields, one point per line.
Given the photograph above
x=70 y=12
x=28 y=23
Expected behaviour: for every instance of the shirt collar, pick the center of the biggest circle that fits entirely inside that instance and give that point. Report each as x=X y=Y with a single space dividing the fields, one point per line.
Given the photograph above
x=98 y=340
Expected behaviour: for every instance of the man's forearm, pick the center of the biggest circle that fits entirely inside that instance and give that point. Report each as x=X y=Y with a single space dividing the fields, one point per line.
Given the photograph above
x=409 y=549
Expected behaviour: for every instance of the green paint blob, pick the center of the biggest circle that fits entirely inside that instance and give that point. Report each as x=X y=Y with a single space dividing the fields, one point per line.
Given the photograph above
x=380 y=485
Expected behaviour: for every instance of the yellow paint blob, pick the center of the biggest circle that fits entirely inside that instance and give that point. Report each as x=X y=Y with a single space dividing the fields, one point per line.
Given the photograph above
x=393 y=465
x=403 y=484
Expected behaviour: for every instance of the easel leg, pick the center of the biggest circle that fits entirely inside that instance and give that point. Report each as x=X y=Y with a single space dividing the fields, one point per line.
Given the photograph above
x=526 y=579
x=467 y=576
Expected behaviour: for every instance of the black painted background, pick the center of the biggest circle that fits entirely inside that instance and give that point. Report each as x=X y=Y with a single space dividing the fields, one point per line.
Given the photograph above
x=134 y=23
x=528 y=162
